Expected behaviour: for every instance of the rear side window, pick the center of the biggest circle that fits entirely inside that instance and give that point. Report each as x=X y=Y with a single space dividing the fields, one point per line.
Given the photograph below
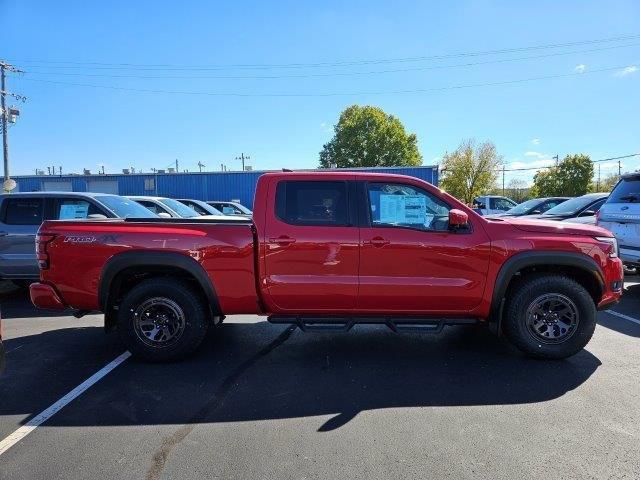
x=626 y=191
x=71 y=208
x=312 y=203
x=24 y=211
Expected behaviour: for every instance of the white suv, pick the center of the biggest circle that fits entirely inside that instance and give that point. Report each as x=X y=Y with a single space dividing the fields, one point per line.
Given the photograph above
x=621 y=216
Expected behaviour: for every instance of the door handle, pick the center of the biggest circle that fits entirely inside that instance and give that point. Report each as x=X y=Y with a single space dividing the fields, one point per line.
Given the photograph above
x=378 y=242
x=282 y=240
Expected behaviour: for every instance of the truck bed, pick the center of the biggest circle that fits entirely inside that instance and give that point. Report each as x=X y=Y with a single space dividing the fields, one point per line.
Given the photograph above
x=224 y=250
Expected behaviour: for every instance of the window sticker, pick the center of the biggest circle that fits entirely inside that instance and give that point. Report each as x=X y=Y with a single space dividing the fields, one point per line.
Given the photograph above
x=72 y=211
x=403 y=209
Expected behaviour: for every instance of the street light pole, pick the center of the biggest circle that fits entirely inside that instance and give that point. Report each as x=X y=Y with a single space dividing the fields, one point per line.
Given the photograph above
x=5 y=123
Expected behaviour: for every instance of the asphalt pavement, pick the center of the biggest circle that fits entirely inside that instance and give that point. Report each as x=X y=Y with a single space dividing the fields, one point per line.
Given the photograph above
x=266 y=401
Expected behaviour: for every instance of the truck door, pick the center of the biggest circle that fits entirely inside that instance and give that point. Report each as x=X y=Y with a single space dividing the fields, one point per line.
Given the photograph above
x=311 y=247
x=409 y=259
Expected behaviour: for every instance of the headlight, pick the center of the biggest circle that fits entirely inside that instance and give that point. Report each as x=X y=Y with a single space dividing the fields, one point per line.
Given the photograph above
x=614 y=245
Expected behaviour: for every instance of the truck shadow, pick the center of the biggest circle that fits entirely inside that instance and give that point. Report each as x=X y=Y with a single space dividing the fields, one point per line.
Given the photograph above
x=248 y=372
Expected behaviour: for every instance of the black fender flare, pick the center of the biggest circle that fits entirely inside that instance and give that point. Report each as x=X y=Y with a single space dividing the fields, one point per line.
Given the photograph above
x=532 y=258
x=121 y=261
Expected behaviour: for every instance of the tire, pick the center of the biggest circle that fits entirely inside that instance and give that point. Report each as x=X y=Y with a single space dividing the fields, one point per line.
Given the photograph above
x=550 y=317
x=162 y=320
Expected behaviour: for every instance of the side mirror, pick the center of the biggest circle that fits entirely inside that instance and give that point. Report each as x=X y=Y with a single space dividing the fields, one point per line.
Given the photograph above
x=458 y=219
x=164 y=215
x=537 y=211
x=97 y=216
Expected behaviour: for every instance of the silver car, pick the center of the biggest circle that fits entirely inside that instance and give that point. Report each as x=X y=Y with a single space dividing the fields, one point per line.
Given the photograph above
x=170 y=208
x=22 y=213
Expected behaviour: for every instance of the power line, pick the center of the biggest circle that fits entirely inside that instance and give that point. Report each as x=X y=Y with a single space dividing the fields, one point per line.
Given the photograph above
x=133 y=66
x=552 y=166
x=331 y=74
x=330 y=94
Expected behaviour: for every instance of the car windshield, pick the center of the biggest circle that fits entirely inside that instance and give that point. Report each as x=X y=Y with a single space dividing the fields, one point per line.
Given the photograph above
x=180 y=208
x=626 y=191
x=523 y=207
x=571 y=206
x=124 y=207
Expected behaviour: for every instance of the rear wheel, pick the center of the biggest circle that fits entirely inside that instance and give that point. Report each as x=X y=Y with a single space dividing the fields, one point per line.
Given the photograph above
x=550 y=316
x=162 y=320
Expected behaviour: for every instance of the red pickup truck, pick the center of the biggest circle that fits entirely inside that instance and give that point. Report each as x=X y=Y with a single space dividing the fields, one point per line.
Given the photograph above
x=329 y=250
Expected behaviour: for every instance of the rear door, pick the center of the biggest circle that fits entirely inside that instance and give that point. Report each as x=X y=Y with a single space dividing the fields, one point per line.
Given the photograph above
x=410 y=261
x=311 y=247
x=21 y=217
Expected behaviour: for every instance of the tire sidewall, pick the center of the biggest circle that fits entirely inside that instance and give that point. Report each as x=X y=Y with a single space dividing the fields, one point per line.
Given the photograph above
x=516 y=321
x=195 y=320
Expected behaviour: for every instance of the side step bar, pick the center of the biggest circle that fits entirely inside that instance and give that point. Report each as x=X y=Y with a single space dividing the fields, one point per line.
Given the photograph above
x=344 y=324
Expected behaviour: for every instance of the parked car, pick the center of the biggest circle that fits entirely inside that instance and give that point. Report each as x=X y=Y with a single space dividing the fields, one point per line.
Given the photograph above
x=203 y=208
x=231 y=208
x=22 y=213
x=577 y=207
x=327 y=250
x=170 y=208
x=535 y=206
x=621 y=216
x=492 y=204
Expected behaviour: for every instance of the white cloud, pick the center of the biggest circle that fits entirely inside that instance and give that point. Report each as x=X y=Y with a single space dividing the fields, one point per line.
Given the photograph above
x=626 y=71
x=580 y=68
x=541 y=162
x=607 y=166
x=326 y=127
x=531 y=153
x=535 y=141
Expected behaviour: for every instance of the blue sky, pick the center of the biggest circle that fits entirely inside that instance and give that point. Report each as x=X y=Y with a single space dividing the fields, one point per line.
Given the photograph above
x=595 y=112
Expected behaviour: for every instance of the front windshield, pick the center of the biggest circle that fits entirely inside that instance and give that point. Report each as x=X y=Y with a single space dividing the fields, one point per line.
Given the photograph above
x=180 y=208
x=571 y=206
x=125 y=208
x=523 y=207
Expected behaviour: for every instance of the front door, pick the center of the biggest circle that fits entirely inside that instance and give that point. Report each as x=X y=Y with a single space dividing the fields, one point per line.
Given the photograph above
x=411 y=262
x=311 y=248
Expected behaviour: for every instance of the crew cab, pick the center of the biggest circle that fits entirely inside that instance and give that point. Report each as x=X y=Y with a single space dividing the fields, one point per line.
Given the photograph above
x=327 y=250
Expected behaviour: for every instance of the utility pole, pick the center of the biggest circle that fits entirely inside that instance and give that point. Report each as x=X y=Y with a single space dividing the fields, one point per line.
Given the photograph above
x=619 y=168
x=598 y=187
x=557 y=159
x=503 y=170
x=4 y=67
x=243 y=158
x=177 y=171
x=200 y=165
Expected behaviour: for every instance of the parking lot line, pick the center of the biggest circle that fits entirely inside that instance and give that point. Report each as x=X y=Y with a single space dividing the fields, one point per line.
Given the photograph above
x=43 y=416
x=622 y=315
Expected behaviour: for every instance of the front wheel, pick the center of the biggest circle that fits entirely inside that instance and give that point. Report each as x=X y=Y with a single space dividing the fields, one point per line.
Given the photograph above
x=162 y=320
x=550 y=317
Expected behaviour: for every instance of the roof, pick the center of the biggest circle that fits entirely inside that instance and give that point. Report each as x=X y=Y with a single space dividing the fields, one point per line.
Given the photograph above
x=58 y=194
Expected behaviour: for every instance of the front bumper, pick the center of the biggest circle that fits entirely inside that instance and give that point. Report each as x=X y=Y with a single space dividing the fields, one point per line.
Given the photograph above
x=45 y=296
x=614 y=284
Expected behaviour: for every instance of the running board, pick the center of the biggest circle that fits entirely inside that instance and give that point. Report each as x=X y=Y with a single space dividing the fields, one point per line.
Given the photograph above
x=344 y=324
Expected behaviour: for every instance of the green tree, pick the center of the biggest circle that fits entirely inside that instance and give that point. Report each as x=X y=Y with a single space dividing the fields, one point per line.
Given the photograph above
x=572 y=177
x=470 y=170
x=368 y=137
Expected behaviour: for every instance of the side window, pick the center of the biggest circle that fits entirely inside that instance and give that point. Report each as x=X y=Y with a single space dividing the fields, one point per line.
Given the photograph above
x=152 y=206
x=398 y=205
x=197 y=208
x=550 y=204
x=501 y=204
x=24 y=211
x=72 y=208
x=593 y=209
x=312 y=203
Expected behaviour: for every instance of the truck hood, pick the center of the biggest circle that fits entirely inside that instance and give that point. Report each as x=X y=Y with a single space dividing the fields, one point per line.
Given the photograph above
x=548 y=226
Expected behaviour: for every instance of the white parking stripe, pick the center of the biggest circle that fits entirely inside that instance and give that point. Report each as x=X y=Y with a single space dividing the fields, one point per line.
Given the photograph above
x=42 y=417
x=622 y=315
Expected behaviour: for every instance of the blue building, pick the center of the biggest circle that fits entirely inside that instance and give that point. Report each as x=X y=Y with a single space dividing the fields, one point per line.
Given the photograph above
x=202 y=186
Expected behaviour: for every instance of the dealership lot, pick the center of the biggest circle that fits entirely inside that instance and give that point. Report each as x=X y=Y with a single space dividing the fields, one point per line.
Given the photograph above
x=266 y=401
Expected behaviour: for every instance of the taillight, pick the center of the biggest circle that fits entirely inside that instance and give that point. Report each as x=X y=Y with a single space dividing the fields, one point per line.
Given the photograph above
x=42 y=249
